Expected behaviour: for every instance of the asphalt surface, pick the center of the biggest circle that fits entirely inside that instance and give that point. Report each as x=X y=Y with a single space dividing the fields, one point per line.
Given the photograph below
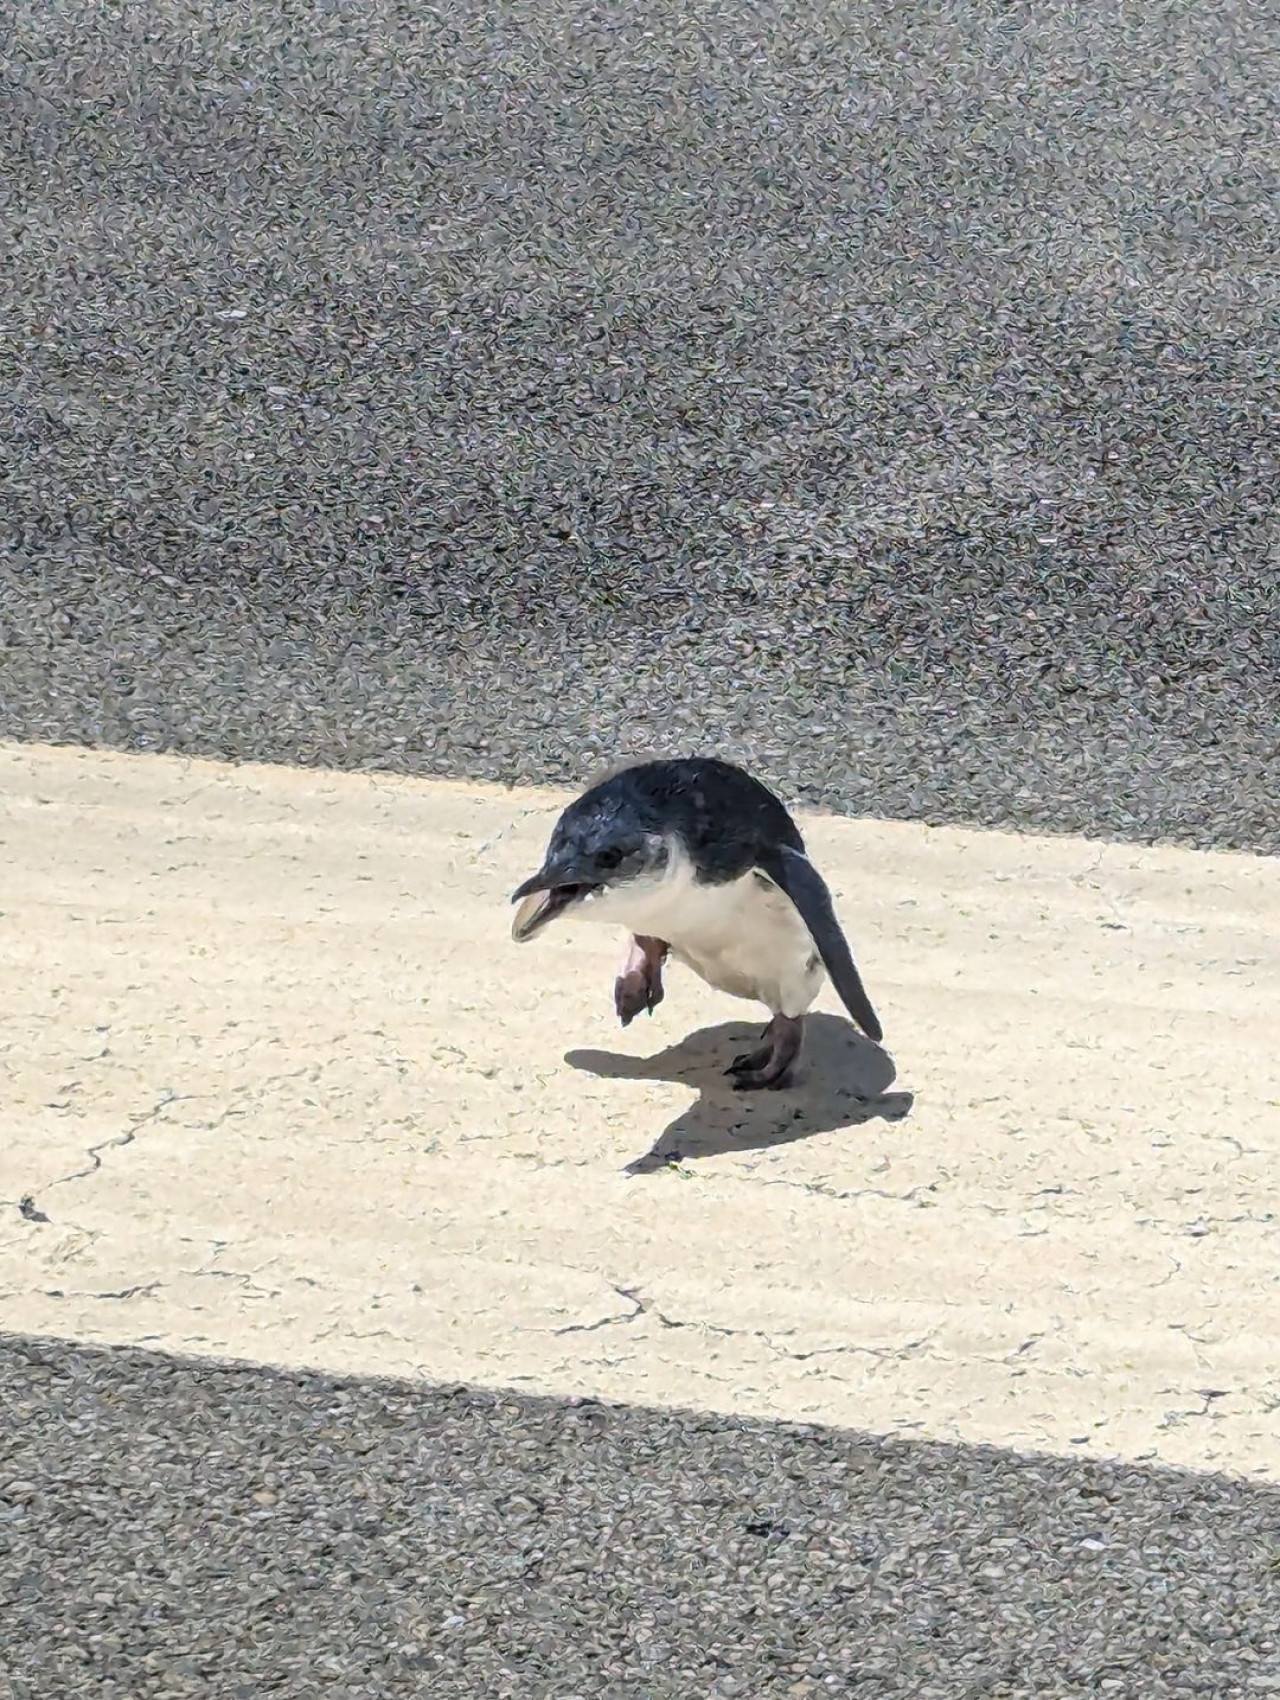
x=171 y=1529
x=889 y=398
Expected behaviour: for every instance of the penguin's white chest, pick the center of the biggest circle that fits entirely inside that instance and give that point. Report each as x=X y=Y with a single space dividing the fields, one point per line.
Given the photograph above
x=744 y=937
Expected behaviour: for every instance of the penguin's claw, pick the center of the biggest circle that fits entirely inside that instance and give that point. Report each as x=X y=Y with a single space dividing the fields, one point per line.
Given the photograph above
x=750 y=1061
x=770 y=1067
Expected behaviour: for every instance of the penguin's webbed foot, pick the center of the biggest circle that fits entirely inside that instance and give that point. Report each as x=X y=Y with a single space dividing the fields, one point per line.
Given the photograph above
x=639 y=986
x=770 y=1067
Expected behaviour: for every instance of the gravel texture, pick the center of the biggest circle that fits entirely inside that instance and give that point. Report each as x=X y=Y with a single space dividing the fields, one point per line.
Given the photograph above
x=167 y=1529
x=888 y=396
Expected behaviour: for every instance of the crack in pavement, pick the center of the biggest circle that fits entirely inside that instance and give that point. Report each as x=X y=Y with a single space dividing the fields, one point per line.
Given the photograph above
x=244 y=1097
x=246 y=1281
x=28 y=1207
x=911 y=1349
x=821 y=1189
x=642 y=1306
x=913 y=1195
x=356 y=1334
x=1210 y=1396
x=144 y=1288
x=1195 y=1340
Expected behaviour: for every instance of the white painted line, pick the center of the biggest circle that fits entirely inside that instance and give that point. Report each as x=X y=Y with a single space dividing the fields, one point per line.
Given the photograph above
x=333 y=1123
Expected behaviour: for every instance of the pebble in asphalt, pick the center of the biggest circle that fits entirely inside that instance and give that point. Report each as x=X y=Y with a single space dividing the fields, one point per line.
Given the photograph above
x=885 y=396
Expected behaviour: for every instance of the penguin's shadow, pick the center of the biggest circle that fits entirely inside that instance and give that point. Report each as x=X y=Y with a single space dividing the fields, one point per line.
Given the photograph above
x=841 y=1081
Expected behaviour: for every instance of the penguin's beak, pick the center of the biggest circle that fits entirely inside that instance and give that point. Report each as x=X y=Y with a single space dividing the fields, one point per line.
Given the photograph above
x=545 y=895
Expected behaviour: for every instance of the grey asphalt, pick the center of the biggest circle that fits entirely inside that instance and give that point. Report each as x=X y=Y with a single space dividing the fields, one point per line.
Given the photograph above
x=171 y=1529
x=889 y=398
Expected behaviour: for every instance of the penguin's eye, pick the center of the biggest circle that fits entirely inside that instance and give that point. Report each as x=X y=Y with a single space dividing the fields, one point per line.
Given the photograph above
x=607 y=860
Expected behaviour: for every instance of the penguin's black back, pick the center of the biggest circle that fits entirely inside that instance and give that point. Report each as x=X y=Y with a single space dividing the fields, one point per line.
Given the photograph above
x=723 y=816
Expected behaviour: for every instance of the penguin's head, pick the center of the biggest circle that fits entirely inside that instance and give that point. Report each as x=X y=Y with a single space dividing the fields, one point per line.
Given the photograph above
x=602 y=843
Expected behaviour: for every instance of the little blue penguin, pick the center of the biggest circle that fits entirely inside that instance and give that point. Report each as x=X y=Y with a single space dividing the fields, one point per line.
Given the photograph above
x=697 y=859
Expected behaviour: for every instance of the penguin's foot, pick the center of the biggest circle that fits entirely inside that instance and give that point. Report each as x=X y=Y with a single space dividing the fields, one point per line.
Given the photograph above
x=772 y=1064
x=639 y=986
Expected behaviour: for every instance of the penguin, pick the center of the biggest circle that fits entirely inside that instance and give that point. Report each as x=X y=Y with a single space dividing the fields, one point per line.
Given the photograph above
x=699 y=861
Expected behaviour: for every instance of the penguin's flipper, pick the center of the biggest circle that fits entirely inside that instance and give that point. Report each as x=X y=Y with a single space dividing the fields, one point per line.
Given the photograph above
x=805 y=886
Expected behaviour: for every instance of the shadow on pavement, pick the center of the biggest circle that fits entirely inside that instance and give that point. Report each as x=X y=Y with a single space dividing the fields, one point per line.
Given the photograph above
x=842 y=1081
